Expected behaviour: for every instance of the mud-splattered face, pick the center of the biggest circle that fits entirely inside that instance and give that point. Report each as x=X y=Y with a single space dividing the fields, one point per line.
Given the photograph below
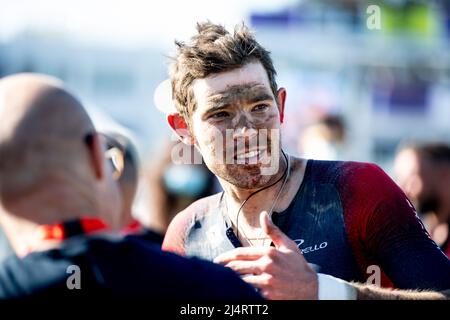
x=236 y=125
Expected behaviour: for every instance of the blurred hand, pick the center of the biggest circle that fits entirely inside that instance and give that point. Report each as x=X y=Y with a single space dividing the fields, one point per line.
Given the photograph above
x=281 y=273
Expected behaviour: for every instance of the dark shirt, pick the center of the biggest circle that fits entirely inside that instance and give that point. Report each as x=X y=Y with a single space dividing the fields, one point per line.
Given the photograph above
x=118 y=267
x=346 y=218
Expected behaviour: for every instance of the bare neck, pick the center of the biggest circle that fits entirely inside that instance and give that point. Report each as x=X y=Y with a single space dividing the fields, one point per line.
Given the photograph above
x=21 y=219
x=263 y=200
x=23 y=235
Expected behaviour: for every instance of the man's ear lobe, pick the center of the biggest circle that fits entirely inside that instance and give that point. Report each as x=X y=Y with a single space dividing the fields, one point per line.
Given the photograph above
x=96 y=156
x=180 y=128
x=281 y=99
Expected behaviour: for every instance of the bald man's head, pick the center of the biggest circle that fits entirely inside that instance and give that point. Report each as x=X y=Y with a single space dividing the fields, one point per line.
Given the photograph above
x=46 y=140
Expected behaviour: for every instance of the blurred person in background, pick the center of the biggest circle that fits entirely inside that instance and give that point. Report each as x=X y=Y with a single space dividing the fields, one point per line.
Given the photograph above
x=124 y=156
x=324 y=140
x=5 y=248
x=58 y=192
x=423 y=173
x=279 y=214
x=173 y=187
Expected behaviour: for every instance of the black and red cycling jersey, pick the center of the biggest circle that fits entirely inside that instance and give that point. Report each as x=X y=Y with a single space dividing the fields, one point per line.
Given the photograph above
x=346 y=218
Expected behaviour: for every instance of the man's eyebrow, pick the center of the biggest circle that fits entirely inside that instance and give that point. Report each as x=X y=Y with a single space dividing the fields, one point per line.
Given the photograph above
x=259 y=96
x=248 y=93
x=215 y=108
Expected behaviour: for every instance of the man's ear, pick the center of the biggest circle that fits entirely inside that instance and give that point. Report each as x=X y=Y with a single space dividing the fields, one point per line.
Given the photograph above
x=180 y=128
x=281 y=99
x=96 y=155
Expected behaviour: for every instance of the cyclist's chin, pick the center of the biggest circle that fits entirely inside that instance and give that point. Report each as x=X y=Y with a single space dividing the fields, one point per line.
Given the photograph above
x=245 y=176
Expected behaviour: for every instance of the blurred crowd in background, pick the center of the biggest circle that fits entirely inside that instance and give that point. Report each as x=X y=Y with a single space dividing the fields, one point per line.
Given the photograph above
x=353 y=93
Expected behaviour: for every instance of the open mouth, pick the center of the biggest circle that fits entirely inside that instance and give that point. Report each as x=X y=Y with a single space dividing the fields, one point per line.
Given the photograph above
x=250 y=156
